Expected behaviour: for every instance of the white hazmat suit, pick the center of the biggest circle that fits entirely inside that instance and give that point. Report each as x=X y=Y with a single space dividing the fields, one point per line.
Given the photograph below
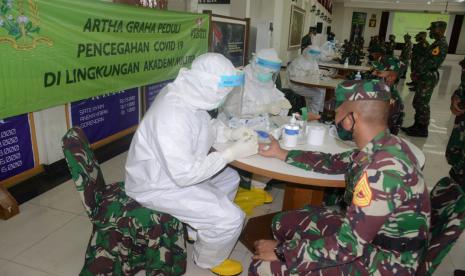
x=169 y=167
x=260 y=92
x=306 y=65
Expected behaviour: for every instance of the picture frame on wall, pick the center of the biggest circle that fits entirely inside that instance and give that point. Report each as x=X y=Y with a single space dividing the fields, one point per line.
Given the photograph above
x=296 y=27
x=372 y=22
x=229 y=36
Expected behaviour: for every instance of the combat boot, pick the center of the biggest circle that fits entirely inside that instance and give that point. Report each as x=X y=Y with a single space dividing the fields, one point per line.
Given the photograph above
x=419 y=131
x=410 y=128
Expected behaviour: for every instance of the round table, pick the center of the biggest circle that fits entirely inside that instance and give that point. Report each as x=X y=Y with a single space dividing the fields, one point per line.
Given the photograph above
x=361 y=68
x=301 y=186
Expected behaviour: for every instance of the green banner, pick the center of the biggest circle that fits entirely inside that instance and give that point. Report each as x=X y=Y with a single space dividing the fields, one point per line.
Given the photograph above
x=57 y=51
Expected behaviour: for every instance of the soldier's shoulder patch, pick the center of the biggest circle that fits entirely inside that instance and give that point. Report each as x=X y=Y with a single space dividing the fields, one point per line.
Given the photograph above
x=362 y=192
x=436 y=51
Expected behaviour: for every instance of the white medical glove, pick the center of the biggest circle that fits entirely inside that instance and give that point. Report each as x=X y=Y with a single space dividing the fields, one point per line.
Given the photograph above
x=223 y=133
x=240 y=132
x=285 y=104
x=274 y=108
x=244 y=147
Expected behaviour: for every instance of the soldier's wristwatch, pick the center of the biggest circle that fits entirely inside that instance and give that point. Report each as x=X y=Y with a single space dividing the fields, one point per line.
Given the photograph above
x=279 y=252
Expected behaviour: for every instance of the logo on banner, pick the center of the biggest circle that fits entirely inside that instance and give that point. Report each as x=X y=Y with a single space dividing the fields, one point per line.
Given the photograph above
x=199 y=33
x=21 y=22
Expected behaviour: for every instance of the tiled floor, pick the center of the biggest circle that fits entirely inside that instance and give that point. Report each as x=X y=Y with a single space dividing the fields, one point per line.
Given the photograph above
x=50 y=234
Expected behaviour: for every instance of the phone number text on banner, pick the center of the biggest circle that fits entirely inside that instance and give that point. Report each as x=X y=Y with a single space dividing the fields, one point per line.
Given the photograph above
x=103 y=116
x=56 y=52
x=16 y=151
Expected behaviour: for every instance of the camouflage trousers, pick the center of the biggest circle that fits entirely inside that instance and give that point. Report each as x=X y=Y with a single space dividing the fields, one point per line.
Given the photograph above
x=310 y=223
x=396 y=116
x=455 y=151
x=424 y=90
x=127 y=238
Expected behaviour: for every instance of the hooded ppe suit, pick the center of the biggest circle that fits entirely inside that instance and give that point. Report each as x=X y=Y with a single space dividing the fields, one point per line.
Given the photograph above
x=169 y=167
x=260 y=92
x=307 y=65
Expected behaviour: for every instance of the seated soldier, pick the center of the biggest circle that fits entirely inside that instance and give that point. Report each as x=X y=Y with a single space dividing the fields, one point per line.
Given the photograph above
x=385 y=226
x=388 y=68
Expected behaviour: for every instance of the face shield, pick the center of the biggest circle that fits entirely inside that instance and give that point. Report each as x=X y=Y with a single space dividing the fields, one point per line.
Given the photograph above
x=267 y=70
x=312 y=54
x=235 y=82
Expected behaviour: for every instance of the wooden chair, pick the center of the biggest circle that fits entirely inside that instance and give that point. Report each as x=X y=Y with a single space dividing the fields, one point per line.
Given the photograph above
x=126 y=237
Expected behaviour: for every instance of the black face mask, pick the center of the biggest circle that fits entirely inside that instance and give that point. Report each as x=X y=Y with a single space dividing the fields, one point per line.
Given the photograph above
x=345 y=135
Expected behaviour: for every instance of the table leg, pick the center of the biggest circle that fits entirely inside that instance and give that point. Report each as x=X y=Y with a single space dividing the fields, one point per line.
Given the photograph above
x=295 y=197
x=8 y=204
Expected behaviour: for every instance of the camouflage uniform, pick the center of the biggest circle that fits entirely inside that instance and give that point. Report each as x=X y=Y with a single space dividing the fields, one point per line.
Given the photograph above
x=126 y=237
x=396 y=114
x=385 y=226
x=428 y=77
x=455 y=151
x=418 y=51
x=391 y=45
x=406 y=54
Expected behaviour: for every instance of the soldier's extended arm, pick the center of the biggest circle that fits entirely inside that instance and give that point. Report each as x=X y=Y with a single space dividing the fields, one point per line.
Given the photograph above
x=321 y=162
x=377 y=193
x=435 y=55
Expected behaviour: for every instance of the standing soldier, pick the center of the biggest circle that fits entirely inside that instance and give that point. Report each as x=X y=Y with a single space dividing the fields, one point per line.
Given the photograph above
x=406 y=54
x=385 y=193
x=418 y=51
x=455 y=152
x=389 y=69
x=428 y=77
x=391 y=45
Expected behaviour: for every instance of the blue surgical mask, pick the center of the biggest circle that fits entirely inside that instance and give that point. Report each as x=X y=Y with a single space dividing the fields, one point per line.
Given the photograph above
x=232 y=80
x=264 y=77
x=344 y=134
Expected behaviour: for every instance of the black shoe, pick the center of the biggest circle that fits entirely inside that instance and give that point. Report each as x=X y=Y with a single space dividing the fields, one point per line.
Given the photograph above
x=410 y=128
x=418 y=132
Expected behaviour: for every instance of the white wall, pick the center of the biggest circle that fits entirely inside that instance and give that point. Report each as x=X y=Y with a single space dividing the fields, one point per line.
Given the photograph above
x=50 y=125
x=221 y=9
x=461 y=45
x=282 y=17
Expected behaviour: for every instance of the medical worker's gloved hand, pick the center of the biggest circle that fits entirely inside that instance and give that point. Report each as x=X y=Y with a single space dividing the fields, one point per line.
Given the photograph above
x=285 y=104
x=240 y=132
x=275 y=108
x=244 y=147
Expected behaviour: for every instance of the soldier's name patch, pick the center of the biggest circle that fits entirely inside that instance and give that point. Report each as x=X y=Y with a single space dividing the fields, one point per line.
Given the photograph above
x=436 y=51
x=362 y=192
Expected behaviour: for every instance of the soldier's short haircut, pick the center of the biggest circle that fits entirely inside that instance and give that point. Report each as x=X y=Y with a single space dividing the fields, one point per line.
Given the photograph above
x=372 y=111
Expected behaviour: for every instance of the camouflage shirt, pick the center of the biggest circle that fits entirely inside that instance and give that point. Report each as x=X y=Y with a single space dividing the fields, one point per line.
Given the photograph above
x=406 y=52
x=389 y=207
x=418 y=50
x=433 y=57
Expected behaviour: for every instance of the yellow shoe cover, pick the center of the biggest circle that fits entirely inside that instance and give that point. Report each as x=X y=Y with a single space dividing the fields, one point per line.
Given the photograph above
x=247 y=200
x=267 y=198
x=228 y=267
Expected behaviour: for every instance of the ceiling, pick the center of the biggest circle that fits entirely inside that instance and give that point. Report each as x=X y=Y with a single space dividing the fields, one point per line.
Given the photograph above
x=454 y=6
